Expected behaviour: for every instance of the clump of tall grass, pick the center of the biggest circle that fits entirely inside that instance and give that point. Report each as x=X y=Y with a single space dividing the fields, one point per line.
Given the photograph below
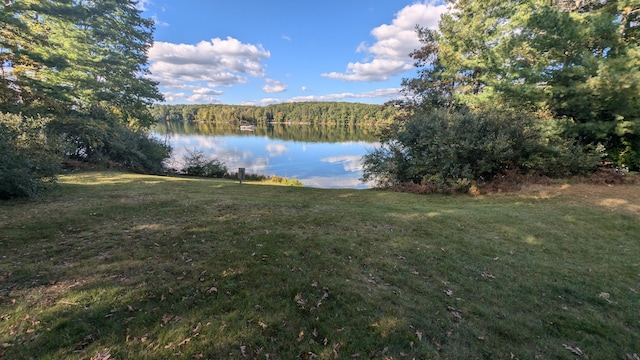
x=285 y=181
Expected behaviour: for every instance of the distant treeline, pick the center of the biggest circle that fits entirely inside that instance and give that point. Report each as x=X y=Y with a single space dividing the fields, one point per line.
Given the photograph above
x=338 y=113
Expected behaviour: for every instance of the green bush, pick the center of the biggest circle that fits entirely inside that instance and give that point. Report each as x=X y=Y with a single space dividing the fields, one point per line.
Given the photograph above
x=197 y=164
x=100 y=138
x=448 y=149
x=29 y=160
x=137 y=151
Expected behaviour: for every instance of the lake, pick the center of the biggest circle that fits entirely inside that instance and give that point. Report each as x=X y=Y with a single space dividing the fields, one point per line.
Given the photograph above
x=319 y=156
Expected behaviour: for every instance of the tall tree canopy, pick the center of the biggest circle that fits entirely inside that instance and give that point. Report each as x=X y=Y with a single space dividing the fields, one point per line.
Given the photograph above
x=64 y=55
x=75 y=70
x=578 y=59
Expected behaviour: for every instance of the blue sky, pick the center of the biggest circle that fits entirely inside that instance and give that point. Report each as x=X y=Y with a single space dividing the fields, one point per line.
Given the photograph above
x=257 y=52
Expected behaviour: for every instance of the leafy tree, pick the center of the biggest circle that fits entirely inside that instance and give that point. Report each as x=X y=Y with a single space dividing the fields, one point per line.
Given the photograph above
x=578 y=59
x=28 y=158
x=82 y=64
x=72 y=55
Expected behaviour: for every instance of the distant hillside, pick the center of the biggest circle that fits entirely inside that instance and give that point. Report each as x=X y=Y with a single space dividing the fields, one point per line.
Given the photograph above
x=302 y=112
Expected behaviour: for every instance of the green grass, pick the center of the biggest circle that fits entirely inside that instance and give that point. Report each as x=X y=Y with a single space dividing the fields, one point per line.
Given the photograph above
x=141 y=267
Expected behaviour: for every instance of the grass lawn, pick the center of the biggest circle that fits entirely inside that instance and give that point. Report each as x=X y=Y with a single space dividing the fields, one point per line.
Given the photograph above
x=123 y=266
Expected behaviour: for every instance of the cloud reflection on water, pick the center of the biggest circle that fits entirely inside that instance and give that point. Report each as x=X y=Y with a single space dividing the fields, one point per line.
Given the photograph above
x=316 y=164
x=350 y=162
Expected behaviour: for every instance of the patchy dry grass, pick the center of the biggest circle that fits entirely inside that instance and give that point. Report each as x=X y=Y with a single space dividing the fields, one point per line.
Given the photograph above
x=128 y=266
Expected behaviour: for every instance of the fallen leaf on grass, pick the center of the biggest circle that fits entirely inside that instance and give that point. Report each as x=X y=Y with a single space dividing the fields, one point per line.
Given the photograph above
x=336 y=350
x=197 y=328
x=6 y=345
x=299 y=300
x=575 y=350
x=486 y=275
x=633 y=356
x=103 y=355
x=184 y=342
x=449 y=292
x=454 y=312
x=324 y=296
x=606 y=296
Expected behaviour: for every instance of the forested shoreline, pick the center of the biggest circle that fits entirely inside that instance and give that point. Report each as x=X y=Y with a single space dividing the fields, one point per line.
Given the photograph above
x=336 y=113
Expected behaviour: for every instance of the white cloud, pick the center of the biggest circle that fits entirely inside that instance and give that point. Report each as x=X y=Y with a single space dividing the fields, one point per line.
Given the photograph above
x=158 y=22
x=274 y=86
x=379 y=69
x=204 y=95
x=263 y=102
x=394 y=43
x=142 y=5
x=379 y=93
x=216 y=63
x=174 y=96
x=389 y=93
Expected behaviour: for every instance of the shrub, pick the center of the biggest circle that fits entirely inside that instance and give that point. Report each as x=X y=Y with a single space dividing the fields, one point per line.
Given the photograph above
x=196 y=164
x=449 y=149
x=29 y=160
x=137 y=151
x=100 y=138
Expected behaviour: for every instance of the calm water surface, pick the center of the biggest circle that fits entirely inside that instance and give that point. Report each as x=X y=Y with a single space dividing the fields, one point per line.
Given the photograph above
x=319 y=156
